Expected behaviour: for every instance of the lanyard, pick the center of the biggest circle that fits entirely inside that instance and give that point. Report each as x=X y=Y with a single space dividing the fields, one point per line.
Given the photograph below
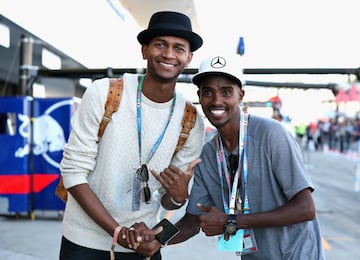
x=229 y=204
x=139 y=122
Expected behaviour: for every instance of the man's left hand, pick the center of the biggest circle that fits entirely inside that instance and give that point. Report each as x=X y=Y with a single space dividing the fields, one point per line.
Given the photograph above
x=176 y=182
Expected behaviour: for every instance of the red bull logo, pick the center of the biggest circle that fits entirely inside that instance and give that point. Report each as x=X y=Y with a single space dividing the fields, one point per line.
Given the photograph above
x=48 y=134
x=35 y=151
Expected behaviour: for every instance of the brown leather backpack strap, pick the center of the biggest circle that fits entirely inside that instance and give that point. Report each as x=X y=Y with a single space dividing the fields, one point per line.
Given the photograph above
x=112 y=103
x=60 y=190
x=111 y=106
x=188 y=123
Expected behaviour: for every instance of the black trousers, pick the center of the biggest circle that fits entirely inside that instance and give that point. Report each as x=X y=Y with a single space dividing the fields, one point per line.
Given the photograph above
x=71 y=251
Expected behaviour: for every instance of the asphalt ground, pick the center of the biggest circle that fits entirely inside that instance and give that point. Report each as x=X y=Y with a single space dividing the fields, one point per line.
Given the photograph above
x=336 y=196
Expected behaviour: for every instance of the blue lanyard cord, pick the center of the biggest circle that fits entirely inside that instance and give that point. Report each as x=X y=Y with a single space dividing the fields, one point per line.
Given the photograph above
x=245 y=170
x=229 y=204
x=139 y=122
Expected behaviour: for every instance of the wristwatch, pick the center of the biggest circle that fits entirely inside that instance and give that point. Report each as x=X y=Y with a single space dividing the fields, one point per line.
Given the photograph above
x=230 y=226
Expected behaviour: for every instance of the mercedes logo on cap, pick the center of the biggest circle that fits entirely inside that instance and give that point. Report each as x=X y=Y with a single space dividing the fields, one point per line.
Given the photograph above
x=218 y=62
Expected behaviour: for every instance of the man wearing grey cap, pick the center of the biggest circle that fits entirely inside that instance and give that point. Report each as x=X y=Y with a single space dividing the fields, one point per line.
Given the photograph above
x=108 y=181
x=251 y=188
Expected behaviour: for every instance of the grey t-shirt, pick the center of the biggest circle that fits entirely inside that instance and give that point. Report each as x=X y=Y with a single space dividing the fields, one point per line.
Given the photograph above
x=276 y=172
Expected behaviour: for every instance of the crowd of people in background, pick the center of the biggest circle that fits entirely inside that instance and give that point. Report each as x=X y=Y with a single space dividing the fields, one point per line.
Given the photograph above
x=339 y=135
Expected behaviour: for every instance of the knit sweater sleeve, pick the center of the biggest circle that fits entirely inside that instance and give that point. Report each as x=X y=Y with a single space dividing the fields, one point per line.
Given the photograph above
x=81 y=149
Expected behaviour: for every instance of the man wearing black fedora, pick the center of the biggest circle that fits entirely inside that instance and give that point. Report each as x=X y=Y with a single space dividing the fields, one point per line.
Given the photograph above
x=108 y=182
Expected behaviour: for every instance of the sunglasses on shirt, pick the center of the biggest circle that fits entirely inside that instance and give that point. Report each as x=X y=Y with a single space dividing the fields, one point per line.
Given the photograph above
x=142 y=174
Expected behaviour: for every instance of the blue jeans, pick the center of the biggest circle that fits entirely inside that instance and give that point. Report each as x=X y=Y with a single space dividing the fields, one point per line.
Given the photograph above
x=71 y=251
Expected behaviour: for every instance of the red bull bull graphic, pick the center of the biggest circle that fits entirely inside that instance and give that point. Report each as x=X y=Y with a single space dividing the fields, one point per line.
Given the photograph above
x=15 y=181
x=29 y=165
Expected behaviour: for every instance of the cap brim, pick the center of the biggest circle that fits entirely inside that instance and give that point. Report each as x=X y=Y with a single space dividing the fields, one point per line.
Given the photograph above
x=200 y=76
x=195 y=40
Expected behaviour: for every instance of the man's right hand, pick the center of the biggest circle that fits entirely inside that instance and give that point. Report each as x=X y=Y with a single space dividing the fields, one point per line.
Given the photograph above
x=212 y=222
x=139 y=234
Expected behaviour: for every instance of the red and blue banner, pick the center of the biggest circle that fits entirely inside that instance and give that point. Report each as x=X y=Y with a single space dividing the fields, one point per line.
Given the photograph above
x=32 y=138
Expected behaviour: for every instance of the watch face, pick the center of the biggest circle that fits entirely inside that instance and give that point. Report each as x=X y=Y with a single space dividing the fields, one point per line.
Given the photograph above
x=231 y=225
x=230 y=228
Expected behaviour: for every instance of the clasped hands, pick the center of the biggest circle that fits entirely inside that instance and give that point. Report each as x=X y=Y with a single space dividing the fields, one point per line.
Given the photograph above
x=140 y=238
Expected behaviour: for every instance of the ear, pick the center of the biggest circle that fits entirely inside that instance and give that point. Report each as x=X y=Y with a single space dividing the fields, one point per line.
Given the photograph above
x=241 y=94
x=189 y=59
x=143 y=51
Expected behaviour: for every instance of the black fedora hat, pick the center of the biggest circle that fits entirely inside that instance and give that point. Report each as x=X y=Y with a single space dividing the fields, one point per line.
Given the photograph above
x=172 y=24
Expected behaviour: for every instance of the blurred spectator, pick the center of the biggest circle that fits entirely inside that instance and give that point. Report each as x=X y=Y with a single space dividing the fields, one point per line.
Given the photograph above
x=325 y=132
x=356 y=135
x=311 y=137
x=341 y=135
x=285 y=122
x=300 y=132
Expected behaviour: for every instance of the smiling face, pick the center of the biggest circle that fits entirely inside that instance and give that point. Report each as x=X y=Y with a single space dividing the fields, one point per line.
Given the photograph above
x=220 y=97
x=167 y=57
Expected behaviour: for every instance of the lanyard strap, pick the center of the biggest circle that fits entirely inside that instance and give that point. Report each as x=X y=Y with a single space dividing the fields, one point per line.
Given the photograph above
x=139 y=122
x=245 y=168
x=229 y=205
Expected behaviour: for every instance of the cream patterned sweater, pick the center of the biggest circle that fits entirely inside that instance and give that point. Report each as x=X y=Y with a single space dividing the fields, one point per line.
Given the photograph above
x=109 y=166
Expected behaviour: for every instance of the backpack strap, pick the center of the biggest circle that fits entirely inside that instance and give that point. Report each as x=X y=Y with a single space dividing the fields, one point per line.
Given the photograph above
x=112 y=103
x=188 y=123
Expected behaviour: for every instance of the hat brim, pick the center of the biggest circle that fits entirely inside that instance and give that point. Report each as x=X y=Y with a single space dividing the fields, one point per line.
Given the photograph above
x=195 y=40
x=200 y=76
